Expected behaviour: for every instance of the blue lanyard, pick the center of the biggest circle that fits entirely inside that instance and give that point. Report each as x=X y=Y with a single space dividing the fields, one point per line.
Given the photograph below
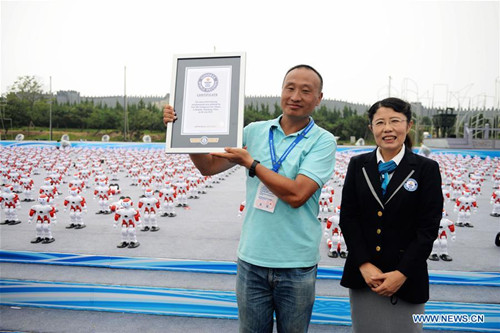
x=277 y=164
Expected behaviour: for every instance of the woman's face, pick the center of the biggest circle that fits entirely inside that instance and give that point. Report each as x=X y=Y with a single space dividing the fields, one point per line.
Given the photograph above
x=389 y=129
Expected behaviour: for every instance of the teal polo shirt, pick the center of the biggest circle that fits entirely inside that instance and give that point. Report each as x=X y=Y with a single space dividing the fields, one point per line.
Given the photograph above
x=288 y=237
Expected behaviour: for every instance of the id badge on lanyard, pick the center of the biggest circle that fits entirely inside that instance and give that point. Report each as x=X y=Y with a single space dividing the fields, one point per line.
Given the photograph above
x=265 y=199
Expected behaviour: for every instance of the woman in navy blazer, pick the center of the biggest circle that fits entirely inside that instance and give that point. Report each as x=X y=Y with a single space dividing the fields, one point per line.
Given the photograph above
x=389 y=232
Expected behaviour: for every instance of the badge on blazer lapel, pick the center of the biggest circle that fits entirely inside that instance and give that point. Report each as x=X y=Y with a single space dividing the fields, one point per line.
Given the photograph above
x=411 y=185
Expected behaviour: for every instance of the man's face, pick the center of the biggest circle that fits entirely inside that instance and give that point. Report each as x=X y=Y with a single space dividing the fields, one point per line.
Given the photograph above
x=301 y=93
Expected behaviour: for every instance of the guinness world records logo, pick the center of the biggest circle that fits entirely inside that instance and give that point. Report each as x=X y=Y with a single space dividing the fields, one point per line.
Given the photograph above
x=208 y=82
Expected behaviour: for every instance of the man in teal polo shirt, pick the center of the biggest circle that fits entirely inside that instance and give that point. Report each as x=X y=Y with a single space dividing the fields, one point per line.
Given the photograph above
x=288 y=161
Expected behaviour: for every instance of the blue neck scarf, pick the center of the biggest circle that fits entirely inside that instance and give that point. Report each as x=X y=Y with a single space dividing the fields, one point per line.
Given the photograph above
x=385 y=169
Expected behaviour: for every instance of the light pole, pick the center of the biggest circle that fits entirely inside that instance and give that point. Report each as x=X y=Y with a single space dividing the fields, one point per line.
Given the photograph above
x=50 y=108
x=125 y=104
x=497 y=92
x=389 y=90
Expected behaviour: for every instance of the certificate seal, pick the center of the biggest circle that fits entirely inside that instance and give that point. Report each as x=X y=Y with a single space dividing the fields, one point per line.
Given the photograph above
x=411 y=185
x=208 y=82
x=203 y=140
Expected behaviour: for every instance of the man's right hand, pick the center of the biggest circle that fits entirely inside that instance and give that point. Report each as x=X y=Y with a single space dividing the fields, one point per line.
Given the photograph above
x=169 y=115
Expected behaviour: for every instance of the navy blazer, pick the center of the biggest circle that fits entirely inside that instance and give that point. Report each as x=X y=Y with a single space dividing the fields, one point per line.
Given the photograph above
x=395 y=231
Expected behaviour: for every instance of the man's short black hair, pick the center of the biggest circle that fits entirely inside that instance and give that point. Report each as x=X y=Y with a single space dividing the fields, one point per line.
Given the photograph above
x=310 y=68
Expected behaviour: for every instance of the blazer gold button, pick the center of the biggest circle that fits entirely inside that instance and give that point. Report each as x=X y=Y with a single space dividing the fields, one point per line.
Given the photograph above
x=379 y=213
x=377 y=248
x=379 y=231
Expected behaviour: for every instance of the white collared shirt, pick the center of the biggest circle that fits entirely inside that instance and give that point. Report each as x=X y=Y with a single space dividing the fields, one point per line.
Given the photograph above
x=397 y=159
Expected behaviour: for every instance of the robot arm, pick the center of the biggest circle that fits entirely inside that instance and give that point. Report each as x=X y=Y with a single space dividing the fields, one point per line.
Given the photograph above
x=30 y=219
x=451 y=227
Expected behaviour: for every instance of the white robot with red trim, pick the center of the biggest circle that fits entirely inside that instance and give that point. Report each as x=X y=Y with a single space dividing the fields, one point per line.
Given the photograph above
x=325 y=203
x=465 y=206
x=495 y=201
x=149 y=205
x=77 y=207
x=14 y=178
x=129 y=218
x=9 y=201
x=144 y=180
x=26 y=183
x=49 y=189
x=102 y=193
x=334 y=238
x=168 y=198
x=76 y=182
x=45 y=215
x=158 y=178
x=181 y=188
x=440 y=246
x=457 y=187
x=446 y=192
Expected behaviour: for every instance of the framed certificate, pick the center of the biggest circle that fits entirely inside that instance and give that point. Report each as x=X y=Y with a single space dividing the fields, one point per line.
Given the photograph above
x=208 y=98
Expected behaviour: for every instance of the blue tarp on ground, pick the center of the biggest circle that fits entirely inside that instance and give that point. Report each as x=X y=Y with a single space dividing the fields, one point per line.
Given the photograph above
x=217 y=304
x=490 y=279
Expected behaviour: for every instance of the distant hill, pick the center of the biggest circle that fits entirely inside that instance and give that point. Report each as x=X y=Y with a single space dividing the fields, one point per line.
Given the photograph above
x=329 y=103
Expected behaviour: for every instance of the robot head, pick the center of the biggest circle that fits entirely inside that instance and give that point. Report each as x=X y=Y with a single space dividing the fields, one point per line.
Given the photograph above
x=127 y=203
x=148 y=192
x=74 y=191
x=47 y=181
x=444 y=214
x=466 y=193
x=8 y=188
x=337 y=210
x=43 y=199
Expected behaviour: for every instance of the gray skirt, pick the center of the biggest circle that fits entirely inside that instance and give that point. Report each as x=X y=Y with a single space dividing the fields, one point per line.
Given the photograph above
x=373 y=313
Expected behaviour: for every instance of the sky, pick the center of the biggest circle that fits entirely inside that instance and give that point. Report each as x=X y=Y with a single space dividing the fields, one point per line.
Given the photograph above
x=439 y=53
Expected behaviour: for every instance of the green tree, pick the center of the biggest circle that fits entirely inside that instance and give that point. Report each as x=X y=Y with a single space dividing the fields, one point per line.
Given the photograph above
x=24 y=99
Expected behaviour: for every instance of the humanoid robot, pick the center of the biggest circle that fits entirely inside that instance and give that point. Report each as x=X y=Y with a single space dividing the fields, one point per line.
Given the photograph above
x=134 y=174
x=9 y=202
x=14 y=178
x=158 y=178
x=325 y=203
x=145 y=180
x=49 y=189
x=446 y=192
x=149 y=205
x=193 y=182
x=168 y=197
x=440 y=246
x=474 y=188
x=128 y=217
x=181 y=188
x=76 y=182
x=495 y=201
x=465 y=206
x=26 y=183
x=457 y=187
x=45 y=215
x=77 y=206
x=334 y=238
x=102 y=193
x=496 y=178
